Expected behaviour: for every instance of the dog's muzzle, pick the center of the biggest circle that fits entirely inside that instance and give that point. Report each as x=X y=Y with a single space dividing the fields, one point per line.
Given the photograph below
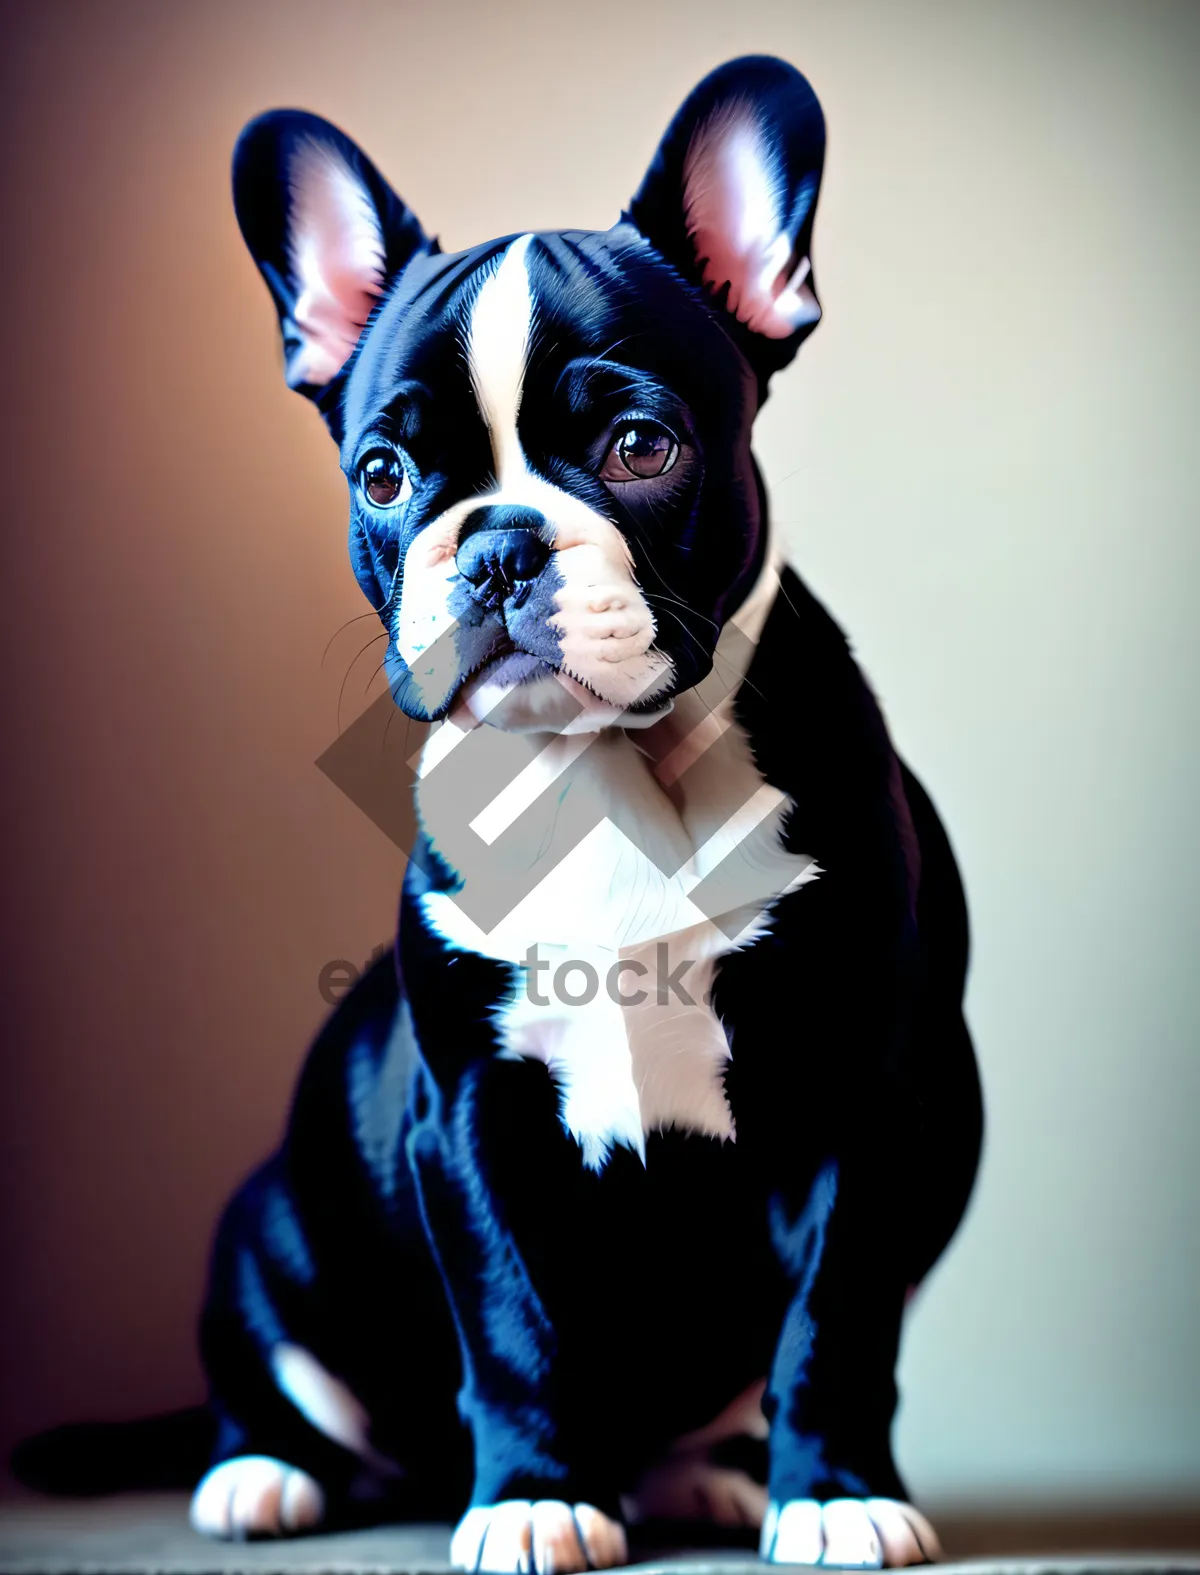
x=502 y=549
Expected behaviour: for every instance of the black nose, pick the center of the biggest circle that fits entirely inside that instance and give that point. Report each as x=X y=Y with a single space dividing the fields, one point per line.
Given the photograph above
x=501 y=551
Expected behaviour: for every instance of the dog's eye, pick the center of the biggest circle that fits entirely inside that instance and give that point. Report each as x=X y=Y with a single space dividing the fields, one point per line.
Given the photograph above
x=382 y=479
x=641 y=450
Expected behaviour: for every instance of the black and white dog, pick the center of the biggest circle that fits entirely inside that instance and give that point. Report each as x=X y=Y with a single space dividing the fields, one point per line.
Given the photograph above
x=601 y=1201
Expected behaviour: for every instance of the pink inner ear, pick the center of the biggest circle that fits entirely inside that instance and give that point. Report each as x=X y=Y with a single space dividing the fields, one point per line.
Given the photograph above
x=732 y=204
x=336 y=251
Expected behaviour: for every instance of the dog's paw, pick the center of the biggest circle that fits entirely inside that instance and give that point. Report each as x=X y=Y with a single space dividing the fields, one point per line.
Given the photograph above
x=548 y=1537
x=853 y=1533
x=256 y=1496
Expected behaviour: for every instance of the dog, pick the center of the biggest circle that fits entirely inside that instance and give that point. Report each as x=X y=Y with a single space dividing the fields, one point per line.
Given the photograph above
x=600 y=1201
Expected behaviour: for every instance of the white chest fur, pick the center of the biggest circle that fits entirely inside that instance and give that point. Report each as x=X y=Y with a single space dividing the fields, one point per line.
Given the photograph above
x=623 y=865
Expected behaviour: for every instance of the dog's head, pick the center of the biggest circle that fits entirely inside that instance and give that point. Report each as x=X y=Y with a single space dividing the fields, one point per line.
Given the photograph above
x=547 y=438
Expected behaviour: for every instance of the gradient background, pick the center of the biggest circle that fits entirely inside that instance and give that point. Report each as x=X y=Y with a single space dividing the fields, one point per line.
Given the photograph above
x=984 y=461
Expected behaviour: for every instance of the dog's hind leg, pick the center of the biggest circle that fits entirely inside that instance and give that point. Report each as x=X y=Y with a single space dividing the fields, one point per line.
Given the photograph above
x=327 y=1341
x=293 y=1447
x=256 y=1495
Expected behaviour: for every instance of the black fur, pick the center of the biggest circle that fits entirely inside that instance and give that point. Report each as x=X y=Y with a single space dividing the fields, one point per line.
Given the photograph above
x=428 y=1230
x=516 y=1324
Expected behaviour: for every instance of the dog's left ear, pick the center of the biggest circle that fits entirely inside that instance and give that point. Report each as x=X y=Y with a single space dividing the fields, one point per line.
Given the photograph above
x=730 y=197
x=328 y=234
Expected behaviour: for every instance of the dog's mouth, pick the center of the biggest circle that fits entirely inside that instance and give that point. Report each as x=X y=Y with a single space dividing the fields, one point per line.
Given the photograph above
x=511 y=667
x=516 y=691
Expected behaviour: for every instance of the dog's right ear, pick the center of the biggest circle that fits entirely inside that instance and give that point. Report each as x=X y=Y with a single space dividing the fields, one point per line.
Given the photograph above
x=328 y=234
x=730 y=197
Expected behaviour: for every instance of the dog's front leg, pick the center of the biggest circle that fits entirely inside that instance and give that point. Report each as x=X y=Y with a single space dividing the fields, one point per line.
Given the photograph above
x=835 y=1495
x=530 y=1512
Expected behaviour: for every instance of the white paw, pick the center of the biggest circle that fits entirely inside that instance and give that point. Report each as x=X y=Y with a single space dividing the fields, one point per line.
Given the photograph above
x=517 y=1537
x=256 y=1496
x=854 y=1533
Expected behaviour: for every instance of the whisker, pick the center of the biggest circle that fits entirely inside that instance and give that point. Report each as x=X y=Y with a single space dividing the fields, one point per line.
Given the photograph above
x=791 y=475
x=744 y=678
x=657 y=596
x=670 y=614
x=375 y=675
x=382 y=635
x=675 y=594
x=357 y=619
x=396 y=710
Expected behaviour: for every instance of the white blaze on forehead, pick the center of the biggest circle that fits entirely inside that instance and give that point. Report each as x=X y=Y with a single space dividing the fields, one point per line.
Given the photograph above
x=498 y=337
x=603 y=625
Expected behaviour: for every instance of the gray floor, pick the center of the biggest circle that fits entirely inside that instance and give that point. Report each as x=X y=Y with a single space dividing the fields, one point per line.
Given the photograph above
x=149 y=1535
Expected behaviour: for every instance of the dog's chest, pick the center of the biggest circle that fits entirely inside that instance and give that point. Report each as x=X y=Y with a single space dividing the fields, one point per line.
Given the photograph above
x=613 y=870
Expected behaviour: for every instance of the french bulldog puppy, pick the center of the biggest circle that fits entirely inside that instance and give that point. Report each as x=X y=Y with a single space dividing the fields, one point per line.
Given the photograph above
x=600 y=1202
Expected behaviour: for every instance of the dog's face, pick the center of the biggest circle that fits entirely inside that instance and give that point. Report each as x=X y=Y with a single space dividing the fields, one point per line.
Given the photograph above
x=547 y=438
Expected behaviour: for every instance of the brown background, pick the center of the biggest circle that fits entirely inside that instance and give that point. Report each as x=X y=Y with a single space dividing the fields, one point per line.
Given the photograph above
x=984 y=460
